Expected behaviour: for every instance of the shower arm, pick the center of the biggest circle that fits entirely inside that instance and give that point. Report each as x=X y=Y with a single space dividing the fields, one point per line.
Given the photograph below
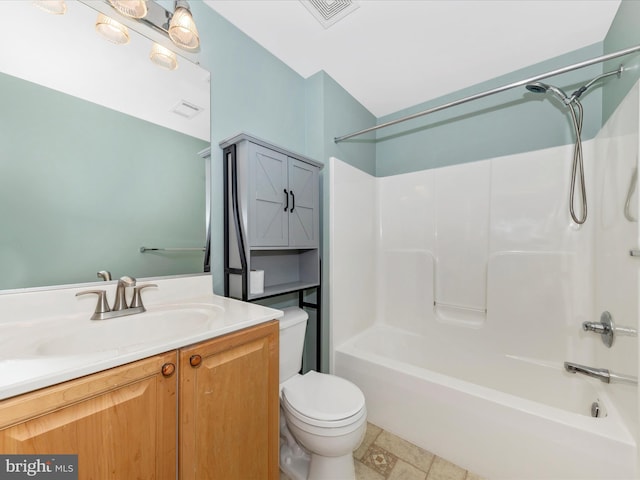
x=477 y=96
x=575 y=95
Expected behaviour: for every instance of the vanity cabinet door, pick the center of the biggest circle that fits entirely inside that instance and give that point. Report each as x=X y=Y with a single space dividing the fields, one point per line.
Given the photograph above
x=121 y=422
x=229 y=406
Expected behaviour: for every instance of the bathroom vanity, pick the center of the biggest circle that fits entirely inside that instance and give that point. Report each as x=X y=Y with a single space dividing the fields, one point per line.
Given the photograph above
x=203 y=404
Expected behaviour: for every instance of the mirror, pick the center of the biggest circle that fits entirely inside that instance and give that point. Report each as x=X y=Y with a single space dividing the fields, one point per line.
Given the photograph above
x=101 y=153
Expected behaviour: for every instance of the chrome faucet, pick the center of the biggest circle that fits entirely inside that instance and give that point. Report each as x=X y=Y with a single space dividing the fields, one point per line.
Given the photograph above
x=120 y=306
x=601 y=374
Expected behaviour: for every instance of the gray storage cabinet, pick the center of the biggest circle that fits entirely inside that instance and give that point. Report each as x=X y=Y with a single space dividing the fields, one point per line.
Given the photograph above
x=272 y=218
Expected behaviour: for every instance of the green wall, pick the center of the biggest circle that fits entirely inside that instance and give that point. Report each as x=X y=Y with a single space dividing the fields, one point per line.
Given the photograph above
x=514 y=121
x=83 y=187
x=506 y=123
x=253 y=91
x=331 y=110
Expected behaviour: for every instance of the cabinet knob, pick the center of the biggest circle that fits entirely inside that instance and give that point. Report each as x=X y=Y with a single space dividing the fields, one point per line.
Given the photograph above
x=195 y=360
x=168 y=369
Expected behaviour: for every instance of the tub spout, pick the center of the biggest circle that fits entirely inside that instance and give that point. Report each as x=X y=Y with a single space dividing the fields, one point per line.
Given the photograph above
x=601 y=374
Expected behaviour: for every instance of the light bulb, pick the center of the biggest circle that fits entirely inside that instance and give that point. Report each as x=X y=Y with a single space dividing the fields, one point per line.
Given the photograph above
x=55 y=7
x=111 y=30
x=163 y=57
x=130 y=8
x=182 y=29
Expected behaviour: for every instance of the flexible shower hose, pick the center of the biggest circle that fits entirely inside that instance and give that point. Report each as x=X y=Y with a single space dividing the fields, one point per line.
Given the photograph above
x=578 y=164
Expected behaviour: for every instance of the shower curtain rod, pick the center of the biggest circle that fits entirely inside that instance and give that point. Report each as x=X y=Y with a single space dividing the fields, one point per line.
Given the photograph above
x=575 y=66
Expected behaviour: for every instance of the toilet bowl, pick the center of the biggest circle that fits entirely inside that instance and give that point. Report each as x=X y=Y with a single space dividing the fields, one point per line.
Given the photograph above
x=324 y=417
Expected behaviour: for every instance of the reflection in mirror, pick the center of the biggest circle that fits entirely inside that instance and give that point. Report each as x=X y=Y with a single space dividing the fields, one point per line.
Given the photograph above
x=100 y=153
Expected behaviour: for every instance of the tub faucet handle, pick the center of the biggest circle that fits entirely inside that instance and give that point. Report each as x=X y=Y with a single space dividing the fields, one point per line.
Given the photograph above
x=608 y=329
x=596 y=327
x=605 y=328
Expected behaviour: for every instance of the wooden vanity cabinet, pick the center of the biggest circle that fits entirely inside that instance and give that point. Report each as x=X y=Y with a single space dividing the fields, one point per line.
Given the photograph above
x=229 y=407
x=218 y=400
x=121 y=422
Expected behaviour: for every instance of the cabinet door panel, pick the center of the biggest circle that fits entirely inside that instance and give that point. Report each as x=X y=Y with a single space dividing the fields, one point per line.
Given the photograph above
x=268 y=222
x=229 y=407
x=121 y=423
x=304 y=219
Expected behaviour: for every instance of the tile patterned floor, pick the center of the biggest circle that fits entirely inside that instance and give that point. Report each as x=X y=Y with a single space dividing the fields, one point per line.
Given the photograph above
x=384 y=456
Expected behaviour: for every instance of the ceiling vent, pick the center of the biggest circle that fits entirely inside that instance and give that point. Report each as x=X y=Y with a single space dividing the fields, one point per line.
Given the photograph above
x=328 y=12
x=186 y=109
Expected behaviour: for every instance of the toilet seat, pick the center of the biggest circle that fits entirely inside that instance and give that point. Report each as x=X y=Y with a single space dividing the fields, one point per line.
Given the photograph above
x=323 y=400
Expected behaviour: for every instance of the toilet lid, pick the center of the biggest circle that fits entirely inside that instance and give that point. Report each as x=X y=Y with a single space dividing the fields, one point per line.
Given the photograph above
x=324 y=397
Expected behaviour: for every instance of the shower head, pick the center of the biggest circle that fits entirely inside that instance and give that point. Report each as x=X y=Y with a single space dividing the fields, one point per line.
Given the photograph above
x=539 y=87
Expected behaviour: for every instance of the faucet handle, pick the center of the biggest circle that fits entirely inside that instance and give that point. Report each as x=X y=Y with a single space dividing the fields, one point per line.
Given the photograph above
x=136 y=301
x=102 y=306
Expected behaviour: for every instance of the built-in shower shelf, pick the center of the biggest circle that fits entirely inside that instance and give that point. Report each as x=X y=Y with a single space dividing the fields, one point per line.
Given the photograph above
x=460 y=315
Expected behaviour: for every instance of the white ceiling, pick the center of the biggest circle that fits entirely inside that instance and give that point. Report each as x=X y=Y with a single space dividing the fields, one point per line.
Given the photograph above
x=393 y=54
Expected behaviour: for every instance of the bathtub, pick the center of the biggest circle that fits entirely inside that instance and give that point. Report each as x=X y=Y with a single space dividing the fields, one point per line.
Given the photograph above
x=498 y=415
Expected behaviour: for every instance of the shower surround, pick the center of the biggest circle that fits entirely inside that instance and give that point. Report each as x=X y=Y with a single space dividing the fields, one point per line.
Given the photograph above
x=457 y=294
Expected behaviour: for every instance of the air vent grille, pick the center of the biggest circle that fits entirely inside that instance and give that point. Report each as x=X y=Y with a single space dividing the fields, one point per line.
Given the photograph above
x=328 y=12
x=186 y=109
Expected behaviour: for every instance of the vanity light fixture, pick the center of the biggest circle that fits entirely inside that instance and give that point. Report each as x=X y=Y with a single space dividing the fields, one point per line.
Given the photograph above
x=178 y=25
x=55 y=7
x=111 y=30
x=182 y=28
x=130 y=8
x=163 y=57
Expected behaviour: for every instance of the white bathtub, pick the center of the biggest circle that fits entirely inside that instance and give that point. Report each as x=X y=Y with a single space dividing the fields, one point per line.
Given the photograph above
x=500 y=416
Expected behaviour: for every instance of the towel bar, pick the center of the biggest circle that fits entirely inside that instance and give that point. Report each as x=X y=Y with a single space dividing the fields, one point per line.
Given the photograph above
x=177 y=249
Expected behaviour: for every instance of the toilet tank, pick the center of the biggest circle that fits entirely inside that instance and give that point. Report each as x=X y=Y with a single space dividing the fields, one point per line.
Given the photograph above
x=292 y=330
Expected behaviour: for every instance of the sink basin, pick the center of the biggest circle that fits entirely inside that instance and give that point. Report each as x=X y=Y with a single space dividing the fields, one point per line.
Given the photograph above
x=124 y=334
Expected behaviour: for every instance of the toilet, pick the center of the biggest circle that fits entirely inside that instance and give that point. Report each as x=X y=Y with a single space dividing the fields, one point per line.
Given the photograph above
x=323 y=417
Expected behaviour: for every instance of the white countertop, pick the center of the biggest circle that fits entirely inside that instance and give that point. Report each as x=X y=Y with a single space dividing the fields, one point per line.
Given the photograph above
x=33 y=319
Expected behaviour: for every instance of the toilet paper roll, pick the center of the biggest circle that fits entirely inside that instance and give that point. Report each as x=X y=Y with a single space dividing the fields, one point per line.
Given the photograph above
x=256 y=281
